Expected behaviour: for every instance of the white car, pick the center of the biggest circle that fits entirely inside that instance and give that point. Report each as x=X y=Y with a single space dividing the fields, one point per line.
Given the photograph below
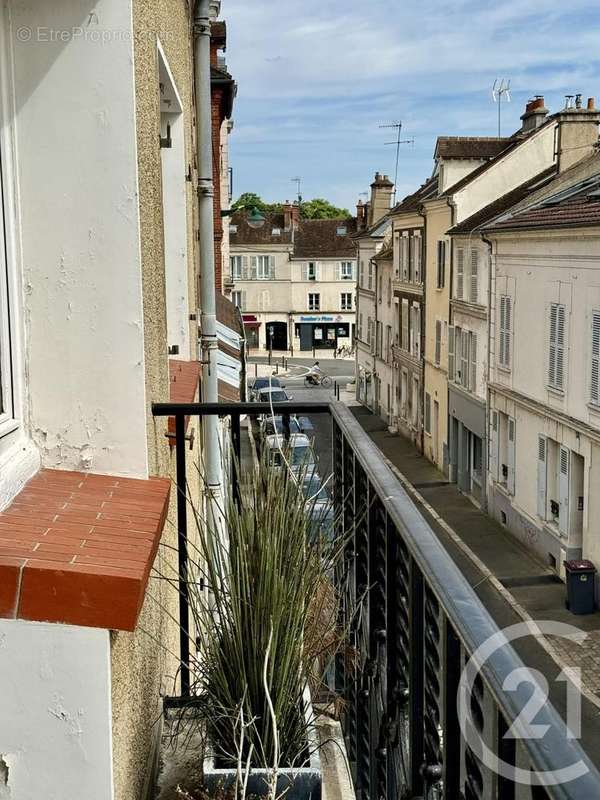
x=275 y=393
x=297 y=451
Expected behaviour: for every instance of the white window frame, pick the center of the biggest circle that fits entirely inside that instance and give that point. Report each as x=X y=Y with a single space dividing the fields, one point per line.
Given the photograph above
x=346 y=270
x=237 y=267
x=557 y=346
x=310 y=302
x=311 y=271
x=264 y=267
x=234 y=296
x=346 y=301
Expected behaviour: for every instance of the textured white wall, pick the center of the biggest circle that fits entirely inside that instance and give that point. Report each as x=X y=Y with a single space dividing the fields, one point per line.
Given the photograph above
x=55 y=707
x=79 y=225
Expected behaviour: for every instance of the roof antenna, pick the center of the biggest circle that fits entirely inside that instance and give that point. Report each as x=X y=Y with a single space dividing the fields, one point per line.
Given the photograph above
x=298 y=181
x=500 y=89
x=397 y=126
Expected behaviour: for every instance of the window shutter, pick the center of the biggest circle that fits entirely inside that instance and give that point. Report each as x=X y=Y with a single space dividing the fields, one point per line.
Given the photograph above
x=405 y=265
x=427 y=412
x=405 y=325
x=245 y=267
x=451 y=352
x=560 y=347
x=473 y=370
x=563 y=491
x=507 y=330
x=339 y=271
x=494 y=446
x=474 y=274
x=253 y=267
x=464 y=364
x=418 y=331
x=418 y=253
x=271 y=267
x=438 y=341
x=552 y=346
x=411 y=258
x=460 y=272
x=510 y=456
x=501 y=350
x=595 y=378
x=318 y=270
x=542 y=477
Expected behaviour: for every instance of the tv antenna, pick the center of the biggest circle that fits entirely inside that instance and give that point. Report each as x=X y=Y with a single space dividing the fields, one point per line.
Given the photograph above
x=398 y=127
x=298 y=181
x=500 y=90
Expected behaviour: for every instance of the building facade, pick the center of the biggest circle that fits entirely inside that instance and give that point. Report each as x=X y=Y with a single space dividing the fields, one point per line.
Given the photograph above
x=294 y=280
x=544 y=420
x=374 y=377
x=98 y=320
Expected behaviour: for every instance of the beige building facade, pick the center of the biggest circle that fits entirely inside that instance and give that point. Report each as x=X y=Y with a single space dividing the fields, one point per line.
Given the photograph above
x=294 y=281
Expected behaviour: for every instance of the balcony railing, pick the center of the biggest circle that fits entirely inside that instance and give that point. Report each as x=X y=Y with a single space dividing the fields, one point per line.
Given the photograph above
x=414 y=622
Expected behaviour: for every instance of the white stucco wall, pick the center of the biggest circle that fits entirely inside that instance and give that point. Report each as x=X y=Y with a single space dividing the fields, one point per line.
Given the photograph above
x=79 y=227
x=524 y=162
x=55 y=712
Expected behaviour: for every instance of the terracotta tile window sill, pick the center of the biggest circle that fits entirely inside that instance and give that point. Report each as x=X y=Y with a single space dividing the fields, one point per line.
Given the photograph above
x=184 y=378
x=77 y=548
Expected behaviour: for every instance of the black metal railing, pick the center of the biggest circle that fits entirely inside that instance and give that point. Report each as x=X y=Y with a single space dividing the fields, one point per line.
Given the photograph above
x=413 y=621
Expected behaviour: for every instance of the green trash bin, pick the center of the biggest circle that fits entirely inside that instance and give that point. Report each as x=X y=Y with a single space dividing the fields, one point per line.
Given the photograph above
x=580 y=586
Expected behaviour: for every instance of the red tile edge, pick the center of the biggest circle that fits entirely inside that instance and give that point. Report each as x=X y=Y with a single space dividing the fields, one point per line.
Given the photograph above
x=105 y=589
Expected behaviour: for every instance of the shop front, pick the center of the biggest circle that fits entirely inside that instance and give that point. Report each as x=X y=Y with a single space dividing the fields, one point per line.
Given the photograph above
x=322 y=332
x=467 y=443
x=251 y=329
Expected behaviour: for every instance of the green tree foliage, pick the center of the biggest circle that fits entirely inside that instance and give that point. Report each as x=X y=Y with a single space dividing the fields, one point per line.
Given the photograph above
x=318 y=208
x=322 y=209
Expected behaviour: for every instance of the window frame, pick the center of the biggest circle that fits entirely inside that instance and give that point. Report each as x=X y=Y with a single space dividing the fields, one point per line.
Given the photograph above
x=11 y=422
x=238 y=260
x=345 y=306
x=233 y=296
x=313 y=307
x=343 y=265
x=261 y=260
x=557 y=363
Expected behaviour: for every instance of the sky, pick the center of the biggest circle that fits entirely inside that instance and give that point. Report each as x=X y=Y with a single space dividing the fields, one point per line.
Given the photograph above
x=317 y=78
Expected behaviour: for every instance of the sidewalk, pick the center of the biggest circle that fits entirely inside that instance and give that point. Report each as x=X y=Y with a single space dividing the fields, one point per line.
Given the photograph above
x=512 y=584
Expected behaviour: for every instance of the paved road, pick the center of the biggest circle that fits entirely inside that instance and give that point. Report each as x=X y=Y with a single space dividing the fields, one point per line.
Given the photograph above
x=336 y=367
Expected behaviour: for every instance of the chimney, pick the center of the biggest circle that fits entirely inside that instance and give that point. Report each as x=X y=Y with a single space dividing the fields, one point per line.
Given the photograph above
x=381 y=198
x=361 y=216
x=577 y=132
x=291 y=215
x=535 y=114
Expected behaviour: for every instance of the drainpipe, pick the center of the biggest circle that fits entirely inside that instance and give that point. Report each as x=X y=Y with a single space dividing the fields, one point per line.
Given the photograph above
x=208 y=309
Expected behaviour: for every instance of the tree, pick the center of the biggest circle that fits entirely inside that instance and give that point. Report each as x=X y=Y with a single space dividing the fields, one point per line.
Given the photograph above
x=250 y=200
x=322 y=209
x=318 y=208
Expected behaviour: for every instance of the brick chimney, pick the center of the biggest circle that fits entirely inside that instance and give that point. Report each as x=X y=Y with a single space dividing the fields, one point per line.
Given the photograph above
x=291 y=215
x=381 y=198
x=577 y=132
x=361 y=216
x=535 y=114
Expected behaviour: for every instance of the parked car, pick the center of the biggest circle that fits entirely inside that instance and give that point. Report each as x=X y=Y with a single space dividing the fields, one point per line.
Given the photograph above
x=275 y=394
x=263 y=383
x=319 y=505
x=272 y=425
x=298 y=451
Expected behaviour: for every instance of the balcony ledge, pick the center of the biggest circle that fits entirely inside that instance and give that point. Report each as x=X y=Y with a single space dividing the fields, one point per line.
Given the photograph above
x=77 y=548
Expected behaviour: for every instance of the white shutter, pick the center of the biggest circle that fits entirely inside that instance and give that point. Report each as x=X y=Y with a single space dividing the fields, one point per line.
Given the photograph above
x=595 y=376
x=464 y=361
x=473 y=369
x=507 y=330
x=451 y=357
x=245 y=267
x=563 y=490
x=271 y=267
x=474 y=274
x=438 y=341
x=494 y=446
x=510 y=456
x=405 y=257
x=460 y=273
x=253 y=267
x=552 y=345
x=560 y=347
x=418 y=330
x=243 y=300
x=318 y=270
x=418 y=253
x=542 y=476
x=502 y=327
x=405 y=325
x=339 y=271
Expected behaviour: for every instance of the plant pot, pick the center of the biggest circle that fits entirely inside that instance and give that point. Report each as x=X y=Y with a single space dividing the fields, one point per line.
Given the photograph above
x=302 y=783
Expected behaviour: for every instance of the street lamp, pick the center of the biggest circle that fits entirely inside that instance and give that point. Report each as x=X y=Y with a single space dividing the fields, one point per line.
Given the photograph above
x=256 y=219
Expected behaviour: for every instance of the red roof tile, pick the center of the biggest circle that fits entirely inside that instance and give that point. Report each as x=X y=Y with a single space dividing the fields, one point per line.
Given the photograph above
x=77 y=548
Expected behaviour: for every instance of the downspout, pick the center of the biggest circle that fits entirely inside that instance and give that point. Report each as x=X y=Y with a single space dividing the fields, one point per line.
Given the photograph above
x=208 y=308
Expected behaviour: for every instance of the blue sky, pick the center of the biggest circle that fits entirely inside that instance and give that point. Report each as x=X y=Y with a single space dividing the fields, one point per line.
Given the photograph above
x=316 y=78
